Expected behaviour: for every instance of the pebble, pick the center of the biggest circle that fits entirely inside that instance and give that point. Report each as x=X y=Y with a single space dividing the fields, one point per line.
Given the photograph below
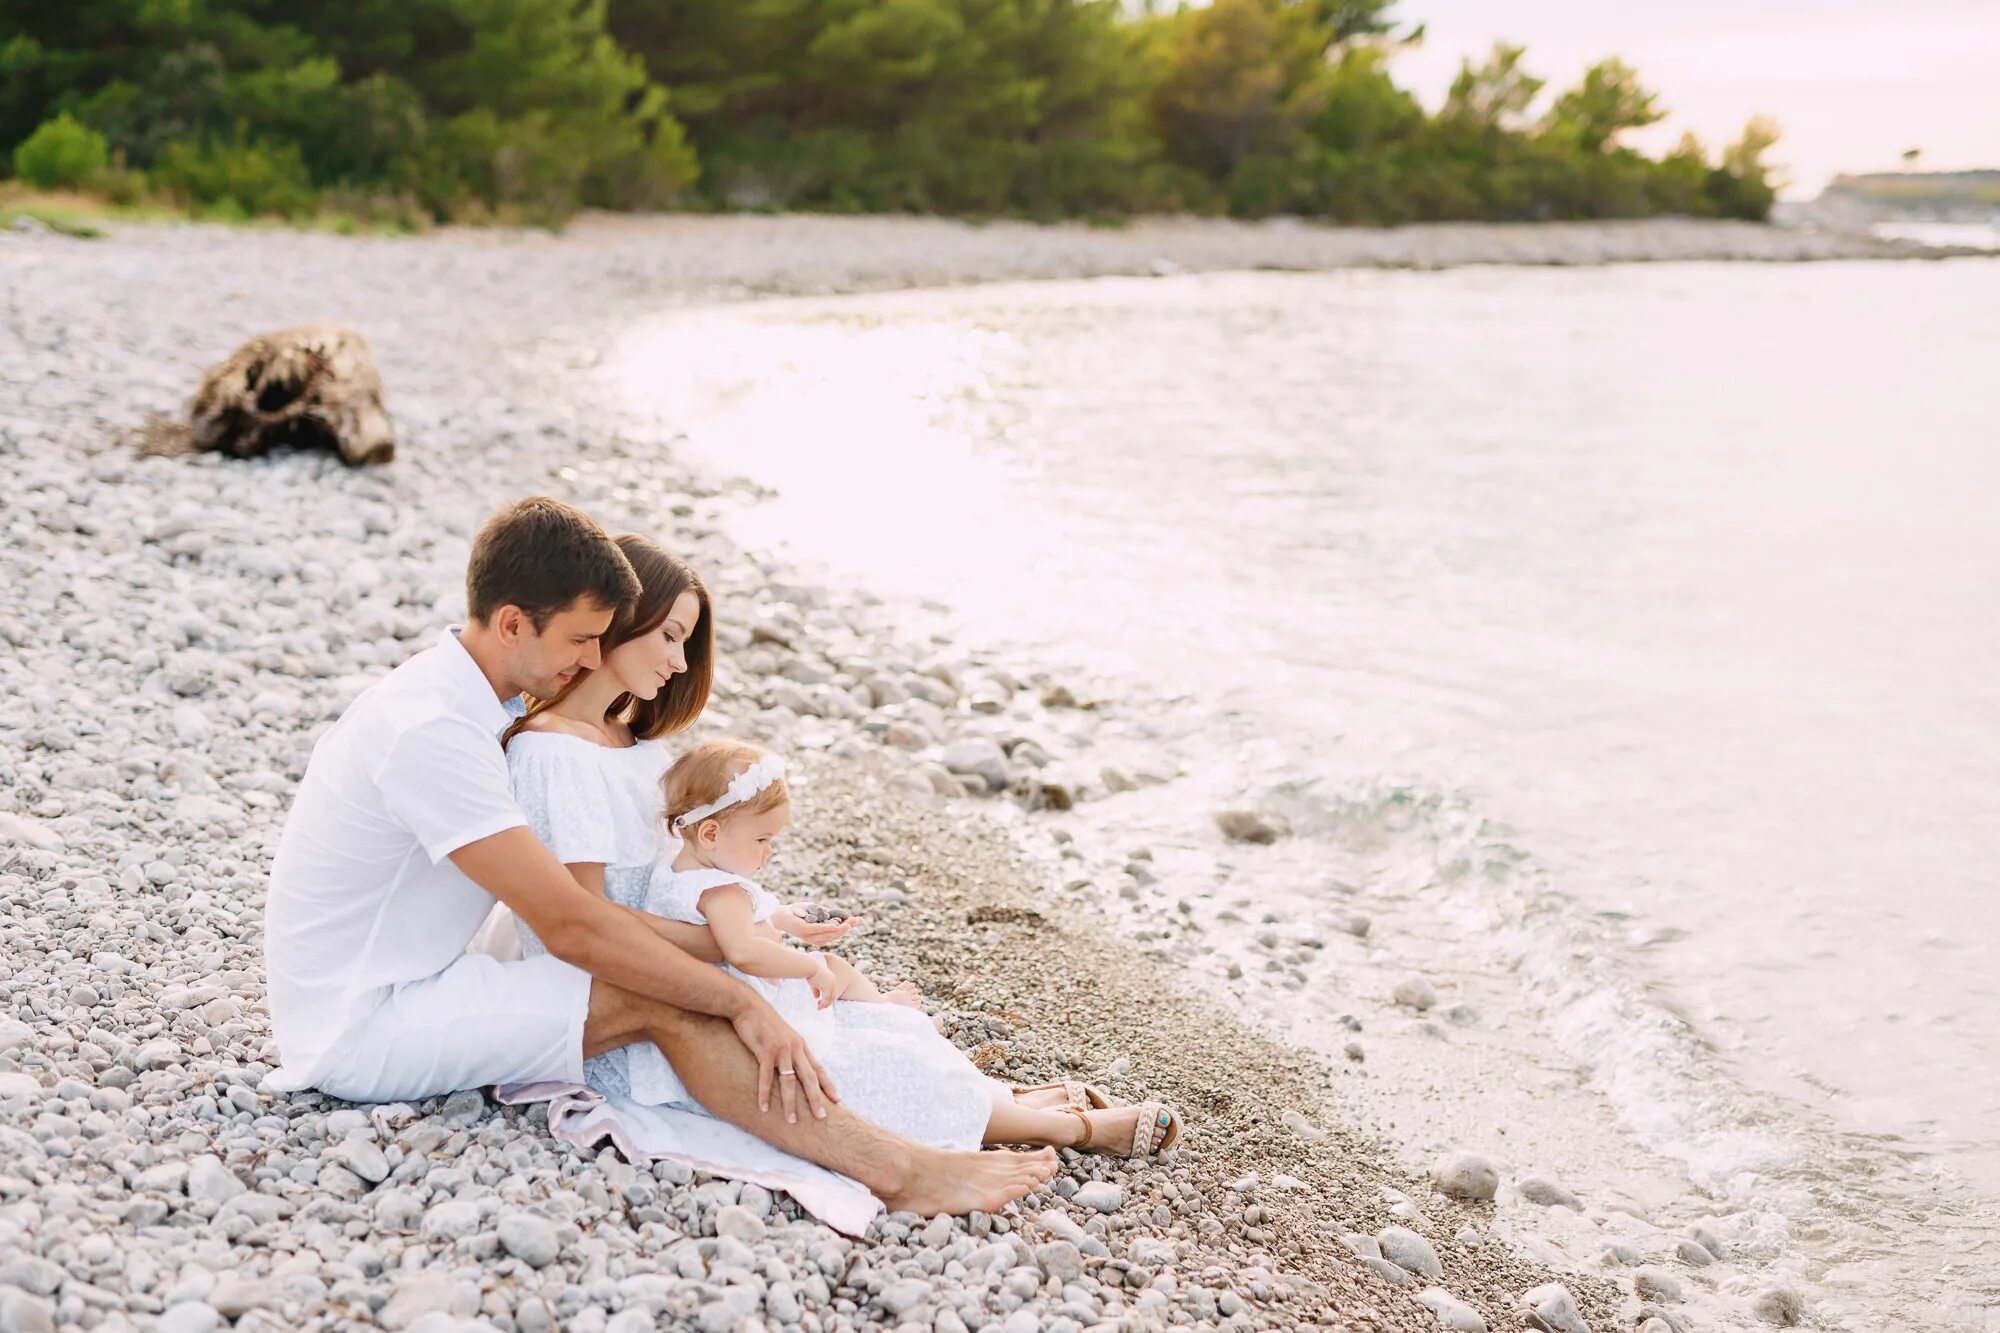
x=1060 y=1259
x=1465 y=1175
x=529 y=1238
x=1545 y=1192
x=1552 y=1309
x=21 y=1312
x=1694 y=1253
x=1100 y=1195
x=1656 y=1284
x=452 y=1220
x=899 y=1298
x=1407 y=1250
x=1415 y=992
x=1783 y=1306
x=739 y=1223
x=209 y=1181
x=1302 y=1127
x=363 y=1157
x=1252 y=826
x=1451 y=1311
x=190 y=1317
x=982 y=759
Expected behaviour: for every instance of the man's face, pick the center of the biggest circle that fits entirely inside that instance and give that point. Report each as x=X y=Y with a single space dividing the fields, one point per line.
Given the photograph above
x=543 y=663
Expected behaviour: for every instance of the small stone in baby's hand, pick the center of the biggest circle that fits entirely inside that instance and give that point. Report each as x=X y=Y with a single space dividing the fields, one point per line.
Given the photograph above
x=820 y=916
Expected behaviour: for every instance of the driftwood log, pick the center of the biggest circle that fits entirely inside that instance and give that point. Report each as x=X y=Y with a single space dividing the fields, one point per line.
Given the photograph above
x=312 y=387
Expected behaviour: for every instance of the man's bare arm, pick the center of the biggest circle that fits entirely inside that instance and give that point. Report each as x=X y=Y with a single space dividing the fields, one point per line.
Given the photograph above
x=698 y=941
x=589 y=931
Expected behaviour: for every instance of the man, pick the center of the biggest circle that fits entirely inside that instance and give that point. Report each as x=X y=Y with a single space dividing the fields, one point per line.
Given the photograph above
x=403 y=833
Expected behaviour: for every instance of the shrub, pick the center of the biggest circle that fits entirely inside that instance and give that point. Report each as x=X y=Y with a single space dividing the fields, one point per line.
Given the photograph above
x=61 y=153
x=226 y=178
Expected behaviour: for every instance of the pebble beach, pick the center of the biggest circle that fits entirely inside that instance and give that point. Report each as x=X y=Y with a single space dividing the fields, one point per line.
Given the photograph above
x=175 y=632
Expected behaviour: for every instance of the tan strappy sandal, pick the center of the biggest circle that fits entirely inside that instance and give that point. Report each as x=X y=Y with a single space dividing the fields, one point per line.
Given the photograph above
x=1078 y=1095
x=1157 y=1129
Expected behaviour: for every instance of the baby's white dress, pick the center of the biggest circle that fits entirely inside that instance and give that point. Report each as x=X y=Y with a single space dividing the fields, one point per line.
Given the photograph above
x=592 y=803
x=890 y=1065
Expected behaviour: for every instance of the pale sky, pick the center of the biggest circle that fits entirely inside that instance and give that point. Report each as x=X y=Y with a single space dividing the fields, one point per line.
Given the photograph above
x=1852 y=82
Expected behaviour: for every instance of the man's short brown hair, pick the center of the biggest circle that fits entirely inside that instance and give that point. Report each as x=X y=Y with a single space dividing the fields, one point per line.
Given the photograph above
x=542 y=556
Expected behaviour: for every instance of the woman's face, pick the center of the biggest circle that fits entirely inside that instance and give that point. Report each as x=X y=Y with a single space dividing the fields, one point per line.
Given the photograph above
x=642 y=665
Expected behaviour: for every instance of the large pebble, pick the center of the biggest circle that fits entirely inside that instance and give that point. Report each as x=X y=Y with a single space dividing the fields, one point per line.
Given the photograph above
x=453 y=1219
x=1656 y=1284
x=1253 y=826
x=1782 y=1306
x=1415 y=993
x=1465 y=1175
x=1453 y=1313
x=1541 y=1190
x=23 y=1313
x=190 y=1317
x=1552 y=1309
x=901 y=1297
x=1406 y=1249
x=1060 y=1259
x=418 y=1294
x=530 y=1239
x=210 y=1181
x=739 y=1223
x=982 y=759
x=233 y=1296
x=1101 y=1195
x=363 y=1157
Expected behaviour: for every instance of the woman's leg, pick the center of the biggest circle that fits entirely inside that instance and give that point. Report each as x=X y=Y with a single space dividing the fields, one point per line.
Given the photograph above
x=1011 y=1122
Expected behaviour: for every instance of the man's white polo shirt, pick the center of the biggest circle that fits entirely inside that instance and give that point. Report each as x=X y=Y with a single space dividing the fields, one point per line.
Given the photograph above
x=363 y=896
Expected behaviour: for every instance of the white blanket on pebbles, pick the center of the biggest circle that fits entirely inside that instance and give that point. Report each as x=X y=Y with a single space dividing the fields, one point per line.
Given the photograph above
x=584 y=1118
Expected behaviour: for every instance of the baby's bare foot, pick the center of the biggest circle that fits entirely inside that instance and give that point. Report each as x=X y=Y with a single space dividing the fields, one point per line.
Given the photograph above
x=904 y=994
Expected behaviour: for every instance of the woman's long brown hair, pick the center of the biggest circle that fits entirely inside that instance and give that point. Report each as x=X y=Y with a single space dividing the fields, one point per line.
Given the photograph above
x=663 y=577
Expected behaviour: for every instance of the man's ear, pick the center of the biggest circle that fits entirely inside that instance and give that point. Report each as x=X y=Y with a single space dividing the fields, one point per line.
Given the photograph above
x=510 y=624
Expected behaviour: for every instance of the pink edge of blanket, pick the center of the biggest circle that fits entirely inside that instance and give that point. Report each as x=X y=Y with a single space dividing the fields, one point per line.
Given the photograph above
x=584 y=1118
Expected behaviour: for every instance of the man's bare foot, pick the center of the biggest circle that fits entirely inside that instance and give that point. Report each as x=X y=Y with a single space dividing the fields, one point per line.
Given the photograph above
x=966 y=1182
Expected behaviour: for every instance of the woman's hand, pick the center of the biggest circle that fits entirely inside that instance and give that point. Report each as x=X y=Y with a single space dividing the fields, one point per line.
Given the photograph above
x=794 y=922
x=784 y=1059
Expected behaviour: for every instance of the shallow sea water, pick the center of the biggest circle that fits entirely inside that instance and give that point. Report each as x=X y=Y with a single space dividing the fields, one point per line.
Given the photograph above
x=1623 y=639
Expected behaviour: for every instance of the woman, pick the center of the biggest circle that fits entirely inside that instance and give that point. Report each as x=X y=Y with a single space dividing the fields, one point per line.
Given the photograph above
x=586 y=768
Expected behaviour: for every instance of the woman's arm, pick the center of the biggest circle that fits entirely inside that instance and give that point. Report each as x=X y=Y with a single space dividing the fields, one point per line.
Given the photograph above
x=727 y=907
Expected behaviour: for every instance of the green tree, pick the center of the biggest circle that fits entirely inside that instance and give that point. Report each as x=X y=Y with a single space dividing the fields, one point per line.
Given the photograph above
x=1494 y=95
x=1609 y=101
x=1742 y=186
x=1243 y=77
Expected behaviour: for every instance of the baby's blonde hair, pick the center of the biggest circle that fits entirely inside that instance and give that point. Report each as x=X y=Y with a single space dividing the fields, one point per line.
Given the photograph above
x=705 y=772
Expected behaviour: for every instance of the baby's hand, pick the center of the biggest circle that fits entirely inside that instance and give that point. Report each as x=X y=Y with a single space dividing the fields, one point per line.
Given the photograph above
x=827 y=985
x=798 y=921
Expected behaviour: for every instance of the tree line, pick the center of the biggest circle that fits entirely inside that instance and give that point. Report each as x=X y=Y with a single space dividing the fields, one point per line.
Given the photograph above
x=414 y=110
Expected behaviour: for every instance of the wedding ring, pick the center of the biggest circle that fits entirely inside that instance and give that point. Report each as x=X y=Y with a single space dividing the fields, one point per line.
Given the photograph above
x=786 y=1073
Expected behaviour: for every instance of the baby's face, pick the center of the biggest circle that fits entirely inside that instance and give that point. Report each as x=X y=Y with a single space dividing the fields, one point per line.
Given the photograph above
x=742 y=845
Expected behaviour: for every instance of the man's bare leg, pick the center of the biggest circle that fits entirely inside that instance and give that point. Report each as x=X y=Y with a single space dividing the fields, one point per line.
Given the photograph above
x=908 y=1177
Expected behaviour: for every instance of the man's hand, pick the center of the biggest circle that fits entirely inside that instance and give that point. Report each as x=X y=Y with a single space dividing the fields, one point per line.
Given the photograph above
x=783 y=1058
x=795 y=921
